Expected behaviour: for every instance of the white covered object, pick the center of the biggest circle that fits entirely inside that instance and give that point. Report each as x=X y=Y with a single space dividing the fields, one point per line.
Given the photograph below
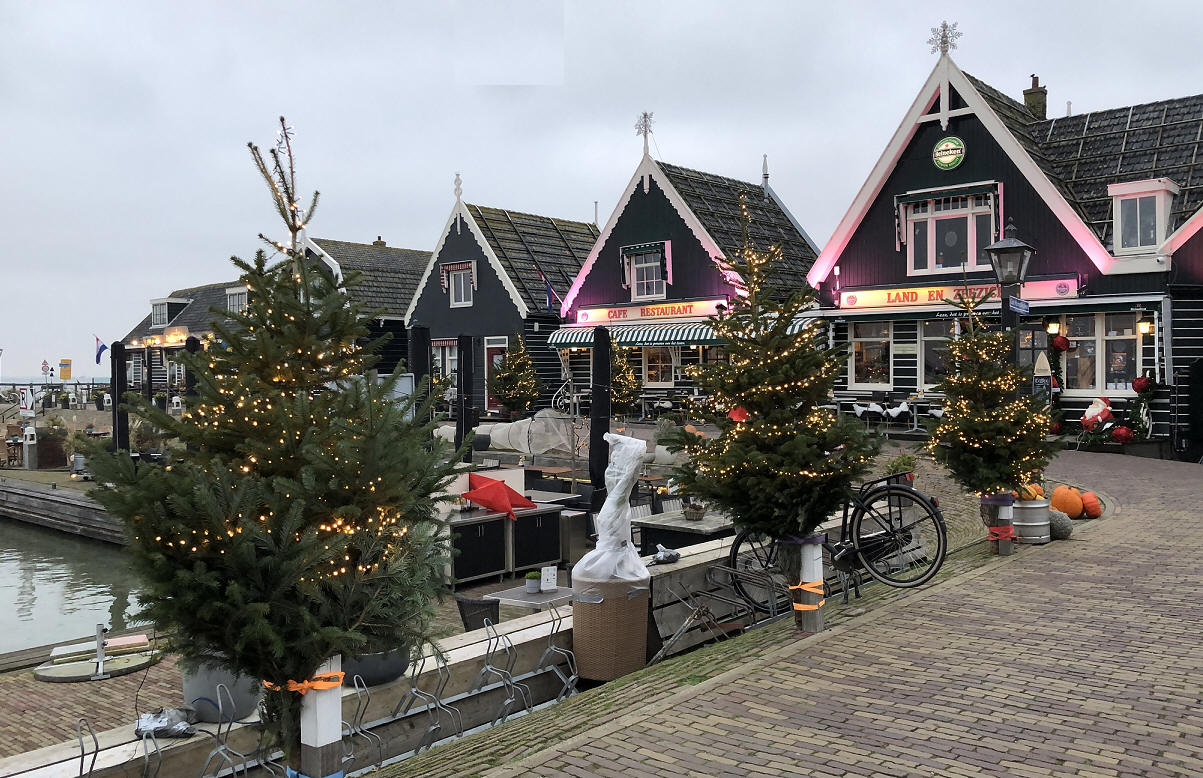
x=615 y=556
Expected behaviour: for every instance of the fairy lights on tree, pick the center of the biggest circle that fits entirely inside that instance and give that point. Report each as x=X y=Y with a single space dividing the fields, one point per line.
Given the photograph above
x=782 y=463
x=992 y=435
x=625 y=386
x=515 y=383
x=295 y=519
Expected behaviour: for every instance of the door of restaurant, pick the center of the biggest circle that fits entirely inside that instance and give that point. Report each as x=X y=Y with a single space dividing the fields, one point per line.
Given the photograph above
x=494 y=353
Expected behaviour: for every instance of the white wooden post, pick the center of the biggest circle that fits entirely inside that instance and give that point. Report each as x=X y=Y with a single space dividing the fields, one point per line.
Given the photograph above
x=1006 y=516
x=321 y=725
x=812 y=572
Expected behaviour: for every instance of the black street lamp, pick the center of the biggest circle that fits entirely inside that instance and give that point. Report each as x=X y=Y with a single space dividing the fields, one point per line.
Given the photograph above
x=1009 y=258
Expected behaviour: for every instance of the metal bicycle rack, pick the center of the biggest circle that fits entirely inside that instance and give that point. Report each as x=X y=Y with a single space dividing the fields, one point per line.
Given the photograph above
x=355 y=727
x=501 y=642
x=431 y=701
x=149 y=741
x=80 y=724
x=222 y=756
x=548 y=660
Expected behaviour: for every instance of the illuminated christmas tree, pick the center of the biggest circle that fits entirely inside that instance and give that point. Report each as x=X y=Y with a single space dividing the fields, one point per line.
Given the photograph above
x=515 y=383
x=296 y=520
x=625 y=387
x=992 y=435
x=782 y=463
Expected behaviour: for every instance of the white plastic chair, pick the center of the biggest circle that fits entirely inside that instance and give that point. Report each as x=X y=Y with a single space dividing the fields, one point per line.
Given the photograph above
x=176 y=403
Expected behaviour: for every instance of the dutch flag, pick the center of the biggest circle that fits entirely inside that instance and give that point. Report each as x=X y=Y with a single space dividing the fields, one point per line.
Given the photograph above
x=100 y=348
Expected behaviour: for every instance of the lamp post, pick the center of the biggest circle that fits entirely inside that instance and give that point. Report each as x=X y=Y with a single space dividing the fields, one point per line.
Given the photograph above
x=1009 y=258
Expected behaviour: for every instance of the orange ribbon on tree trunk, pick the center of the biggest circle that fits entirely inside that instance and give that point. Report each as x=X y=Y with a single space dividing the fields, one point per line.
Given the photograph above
x=324 y=681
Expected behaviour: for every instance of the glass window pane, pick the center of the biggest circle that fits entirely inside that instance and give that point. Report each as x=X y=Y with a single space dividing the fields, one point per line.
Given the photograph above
x=983 y=238
x=1148 y=221
x=1121 y=363
x=1079 y=366
x=940 y=328
x=1080 y=326
x=935 y=361
x=871 y=329
x=871 y=362
x=1122 y=324
x=952 y=242
x=1127 y=220
x=919 y=244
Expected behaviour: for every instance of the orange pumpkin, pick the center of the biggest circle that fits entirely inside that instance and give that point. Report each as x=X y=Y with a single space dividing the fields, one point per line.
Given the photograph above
x=1068 y=500
x=1029 y=492
x=1091 y=505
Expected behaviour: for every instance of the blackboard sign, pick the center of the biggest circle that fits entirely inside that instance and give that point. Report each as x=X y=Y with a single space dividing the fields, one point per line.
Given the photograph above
x=1042 y=385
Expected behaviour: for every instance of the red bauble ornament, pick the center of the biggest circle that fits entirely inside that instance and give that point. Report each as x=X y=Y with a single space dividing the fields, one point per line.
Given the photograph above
x=1122 y=435
x=1061 y=343
x=1055 y=428
x=738 y=413
x=1143 y=384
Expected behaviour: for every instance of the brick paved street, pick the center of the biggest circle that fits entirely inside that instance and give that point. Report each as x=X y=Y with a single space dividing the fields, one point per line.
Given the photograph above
x=1076 y=658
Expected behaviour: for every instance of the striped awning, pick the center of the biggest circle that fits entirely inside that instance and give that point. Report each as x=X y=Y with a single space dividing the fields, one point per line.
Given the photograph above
x=678 y=334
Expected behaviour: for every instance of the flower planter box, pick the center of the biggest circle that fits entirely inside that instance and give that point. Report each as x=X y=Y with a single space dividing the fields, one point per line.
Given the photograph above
x=1152 y=449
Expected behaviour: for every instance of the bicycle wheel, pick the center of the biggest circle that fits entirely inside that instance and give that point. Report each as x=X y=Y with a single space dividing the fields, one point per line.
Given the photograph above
x=755 y=555
x=899 y=536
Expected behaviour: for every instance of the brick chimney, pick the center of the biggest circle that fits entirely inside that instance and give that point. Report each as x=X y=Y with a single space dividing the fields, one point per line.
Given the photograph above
x=1036 y=98
x=378 y=241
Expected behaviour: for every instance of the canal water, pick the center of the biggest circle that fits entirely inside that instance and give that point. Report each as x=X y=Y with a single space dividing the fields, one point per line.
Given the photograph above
x=58 y=587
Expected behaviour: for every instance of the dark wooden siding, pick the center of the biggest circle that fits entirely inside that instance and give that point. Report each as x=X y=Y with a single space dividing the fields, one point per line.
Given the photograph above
x=1188 y=261
x=870 y=258
x=1188 y=344
x=649 y=218
x=537 y=330
x=395 y=350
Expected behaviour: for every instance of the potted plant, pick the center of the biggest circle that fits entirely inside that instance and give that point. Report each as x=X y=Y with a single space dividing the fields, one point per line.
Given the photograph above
x=693 y=510
x=514 y=382
x=903 y=464
x=534 y=581
x=1031 y=514
x=64 y=400
x=161 y=400
x=97 y=396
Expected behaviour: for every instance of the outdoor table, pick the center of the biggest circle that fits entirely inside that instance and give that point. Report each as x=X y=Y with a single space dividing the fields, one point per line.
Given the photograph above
x=672 y=530
x=538 y=495
x=519 y=597
x=553 y=469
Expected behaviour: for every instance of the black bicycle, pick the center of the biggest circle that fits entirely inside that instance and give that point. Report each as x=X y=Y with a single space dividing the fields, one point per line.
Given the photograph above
x=888 y=529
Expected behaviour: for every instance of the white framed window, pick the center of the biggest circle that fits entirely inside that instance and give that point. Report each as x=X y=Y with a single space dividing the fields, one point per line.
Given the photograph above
x=658 y=366
x=647 y=276
x=869 y=364
x=461 y=288
x=236 y=299
x=445 y=361
x=1104 y=355
x=158 y=314
x=1140 y=212
x=934 y=360
x=945 y=233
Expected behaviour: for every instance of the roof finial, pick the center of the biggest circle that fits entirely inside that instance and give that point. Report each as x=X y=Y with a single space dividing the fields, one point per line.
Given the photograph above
x=764 y=172
x=644 y=127
x=459 y=187
x=943 y=38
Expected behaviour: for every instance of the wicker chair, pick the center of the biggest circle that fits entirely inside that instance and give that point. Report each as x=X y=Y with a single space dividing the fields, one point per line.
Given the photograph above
x=474 y=612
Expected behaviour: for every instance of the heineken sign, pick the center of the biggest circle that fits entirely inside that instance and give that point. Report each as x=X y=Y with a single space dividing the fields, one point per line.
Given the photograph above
x=948 y=153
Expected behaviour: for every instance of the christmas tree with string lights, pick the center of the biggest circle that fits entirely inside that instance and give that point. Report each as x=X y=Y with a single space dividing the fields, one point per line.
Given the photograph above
x=992 y=434
x=297 y=517
x=781 y=463
x=625 y=387
x=515 y=383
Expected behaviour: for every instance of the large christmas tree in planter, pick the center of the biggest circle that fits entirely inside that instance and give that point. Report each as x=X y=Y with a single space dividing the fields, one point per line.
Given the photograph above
x=625 y=387
x=298 y=520
x=781 y=463
x=992 y=435
x=515 y=383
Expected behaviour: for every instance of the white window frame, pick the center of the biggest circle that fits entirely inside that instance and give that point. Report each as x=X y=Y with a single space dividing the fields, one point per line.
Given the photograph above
x=1101 y=339
x=649 y=259
x=460 y=281
x=233 y=295
x=1162 y=190
x=970 y=211
x=924 y=384
x=672 y=368
x=852 y=383
x=158 y=314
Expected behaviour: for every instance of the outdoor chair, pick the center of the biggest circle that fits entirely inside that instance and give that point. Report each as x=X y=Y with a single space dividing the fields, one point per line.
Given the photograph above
x=474 y=612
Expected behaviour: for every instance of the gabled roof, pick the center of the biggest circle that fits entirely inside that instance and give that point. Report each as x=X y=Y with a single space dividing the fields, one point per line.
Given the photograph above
x=390 y=275
x=715 y=200
x=525 y=243
x=1084 y=153
x=709 y=206
x=196 y=316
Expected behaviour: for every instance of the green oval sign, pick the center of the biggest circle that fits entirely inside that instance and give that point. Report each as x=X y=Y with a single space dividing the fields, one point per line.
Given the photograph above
x=948 y=153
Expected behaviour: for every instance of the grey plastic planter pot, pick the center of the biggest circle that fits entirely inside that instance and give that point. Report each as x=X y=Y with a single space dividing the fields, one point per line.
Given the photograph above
x=376 y=669
x=200 y=692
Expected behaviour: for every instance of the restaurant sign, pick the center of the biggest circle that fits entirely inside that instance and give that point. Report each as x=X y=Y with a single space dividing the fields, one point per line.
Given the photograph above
x=650 y=311
x=948 y=153
x=906 y=296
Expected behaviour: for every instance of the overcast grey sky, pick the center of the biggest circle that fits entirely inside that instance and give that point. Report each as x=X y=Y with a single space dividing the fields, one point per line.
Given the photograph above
x=124 y=173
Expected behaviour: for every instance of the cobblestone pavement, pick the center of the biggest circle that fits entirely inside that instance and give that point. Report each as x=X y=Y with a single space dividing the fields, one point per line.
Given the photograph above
x=1075 y=658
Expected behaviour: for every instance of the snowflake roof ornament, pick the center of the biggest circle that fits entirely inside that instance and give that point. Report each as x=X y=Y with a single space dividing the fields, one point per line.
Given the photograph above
x=944 y=38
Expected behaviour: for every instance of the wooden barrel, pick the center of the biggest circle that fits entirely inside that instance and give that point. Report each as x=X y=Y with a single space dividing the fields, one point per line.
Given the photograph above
x=1030 y=519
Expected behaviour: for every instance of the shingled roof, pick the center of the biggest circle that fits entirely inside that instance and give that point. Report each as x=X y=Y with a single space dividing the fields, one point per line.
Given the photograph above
x=525 y=243
x=196 y=316
x=390 y=276
x=715 y=202
x=1084 y=153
